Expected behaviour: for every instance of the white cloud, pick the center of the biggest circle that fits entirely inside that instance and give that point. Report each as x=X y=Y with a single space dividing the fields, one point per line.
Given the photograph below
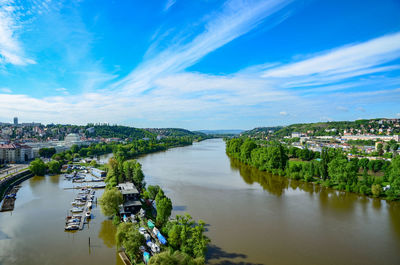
x=5 y=90
x=283 y=113
x=11 y=51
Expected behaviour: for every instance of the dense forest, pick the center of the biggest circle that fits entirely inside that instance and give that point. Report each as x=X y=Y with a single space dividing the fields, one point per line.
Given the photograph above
x=118 y=131
x=330 y=167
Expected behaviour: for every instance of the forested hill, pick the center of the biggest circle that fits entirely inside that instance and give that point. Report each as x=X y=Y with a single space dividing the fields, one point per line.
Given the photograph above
x=118 y=131
x=261 y=131
x=373 y=126
x=176 y=132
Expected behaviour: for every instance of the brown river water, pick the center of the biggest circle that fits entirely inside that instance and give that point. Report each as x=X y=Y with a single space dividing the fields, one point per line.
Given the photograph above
x=254 y=217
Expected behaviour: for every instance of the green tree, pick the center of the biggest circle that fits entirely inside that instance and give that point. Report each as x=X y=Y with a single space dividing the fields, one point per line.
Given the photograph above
x=47 y=152
x=379 y=149
x=164 y=208
x=38 y=167
x=376 y=190
x=74 y=148
x=129 y=237
x=175 y=258
x=110 y=201
x=54 y=167
x=152 y=192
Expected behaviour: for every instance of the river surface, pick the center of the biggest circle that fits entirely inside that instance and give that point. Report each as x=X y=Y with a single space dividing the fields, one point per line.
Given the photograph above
x=253 y=217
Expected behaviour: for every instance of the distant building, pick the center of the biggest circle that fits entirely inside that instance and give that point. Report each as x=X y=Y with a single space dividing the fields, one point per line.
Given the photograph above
x=15 y=153
x=296 y=134
x=90 y=130
x=385 y=138
x=15 y=120
x=72 y=139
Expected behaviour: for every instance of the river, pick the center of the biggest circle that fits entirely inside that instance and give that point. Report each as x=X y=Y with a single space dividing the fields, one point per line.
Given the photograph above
x=254 y=217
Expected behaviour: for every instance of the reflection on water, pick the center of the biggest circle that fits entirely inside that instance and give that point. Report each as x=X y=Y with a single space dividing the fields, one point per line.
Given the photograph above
x=271 y=183
x=107 y=233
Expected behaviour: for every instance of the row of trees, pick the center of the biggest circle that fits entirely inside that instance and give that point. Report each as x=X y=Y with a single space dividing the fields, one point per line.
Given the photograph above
x=332 y=168
x=39 y=168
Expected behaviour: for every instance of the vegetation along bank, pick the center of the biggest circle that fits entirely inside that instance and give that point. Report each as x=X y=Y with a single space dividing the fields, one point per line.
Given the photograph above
x=330 y=167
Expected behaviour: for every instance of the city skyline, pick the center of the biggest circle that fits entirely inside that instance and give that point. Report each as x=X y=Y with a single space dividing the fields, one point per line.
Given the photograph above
x=199 y=65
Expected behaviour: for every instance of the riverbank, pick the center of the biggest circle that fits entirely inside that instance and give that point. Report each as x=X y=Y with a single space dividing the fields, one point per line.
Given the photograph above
x=6 y=183
x=329 y=168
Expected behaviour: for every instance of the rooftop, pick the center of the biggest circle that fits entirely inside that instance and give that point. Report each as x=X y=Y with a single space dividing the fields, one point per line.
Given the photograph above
x=127 y=188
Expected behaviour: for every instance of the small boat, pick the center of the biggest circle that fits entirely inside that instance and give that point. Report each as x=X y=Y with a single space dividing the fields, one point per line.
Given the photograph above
x=89 y=205
x=155 y=248
x=76 y=210
x=77 y=203
x=88 y=215
x=71 y=227
x=73 y=220
x=142 y=230
x=147 y=236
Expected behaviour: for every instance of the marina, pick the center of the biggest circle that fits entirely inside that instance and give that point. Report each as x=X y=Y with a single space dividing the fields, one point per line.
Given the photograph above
x=82 y=205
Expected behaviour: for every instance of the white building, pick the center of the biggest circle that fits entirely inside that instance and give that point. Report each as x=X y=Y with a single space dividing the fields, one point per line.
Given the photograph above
x=296 y=134
x=15 y=153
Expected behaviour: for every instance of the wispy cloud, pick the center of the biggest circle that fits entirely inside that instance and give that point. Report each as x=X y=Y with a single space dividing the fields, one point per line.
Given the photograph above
x=11 y=50
x=237 y=18
x=169 y=4
x=345 y=62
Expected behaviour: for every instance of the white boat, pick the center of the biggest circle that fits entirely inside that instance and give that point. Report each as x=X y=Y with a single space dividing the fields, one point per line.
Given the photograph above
x=76 y=210
x=71 y=227
x=77 y=203
x=88 y=215
x=73 y=220
x=155 y=248
x=89 y=205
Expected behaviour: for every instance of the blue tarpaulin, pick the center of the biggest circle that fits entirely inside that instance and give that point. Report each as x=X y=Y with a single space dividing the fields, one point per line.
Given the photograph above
x=161 y=238
x=146 y=257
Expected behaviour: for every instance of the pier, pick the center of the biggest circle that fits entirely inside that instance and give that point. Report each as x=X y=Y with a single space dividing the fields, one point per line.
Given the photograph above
x=88 y=203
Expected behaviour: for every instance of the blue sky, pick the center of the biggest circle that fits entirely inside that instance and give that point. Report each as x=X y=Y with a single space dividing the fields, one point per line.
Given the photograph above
x=201 y=64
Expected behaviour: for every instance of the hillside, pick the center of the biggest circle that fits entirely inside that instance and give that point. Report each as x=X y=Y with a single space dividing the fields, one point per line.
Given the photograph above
x=372 y=126
x=229 y=132
x=118 y=131
x=176 y=132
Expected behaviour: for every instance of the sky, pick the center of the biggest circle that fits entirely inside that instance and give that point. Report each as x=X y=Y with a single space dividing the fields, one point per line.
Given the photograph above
x=199 y=64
